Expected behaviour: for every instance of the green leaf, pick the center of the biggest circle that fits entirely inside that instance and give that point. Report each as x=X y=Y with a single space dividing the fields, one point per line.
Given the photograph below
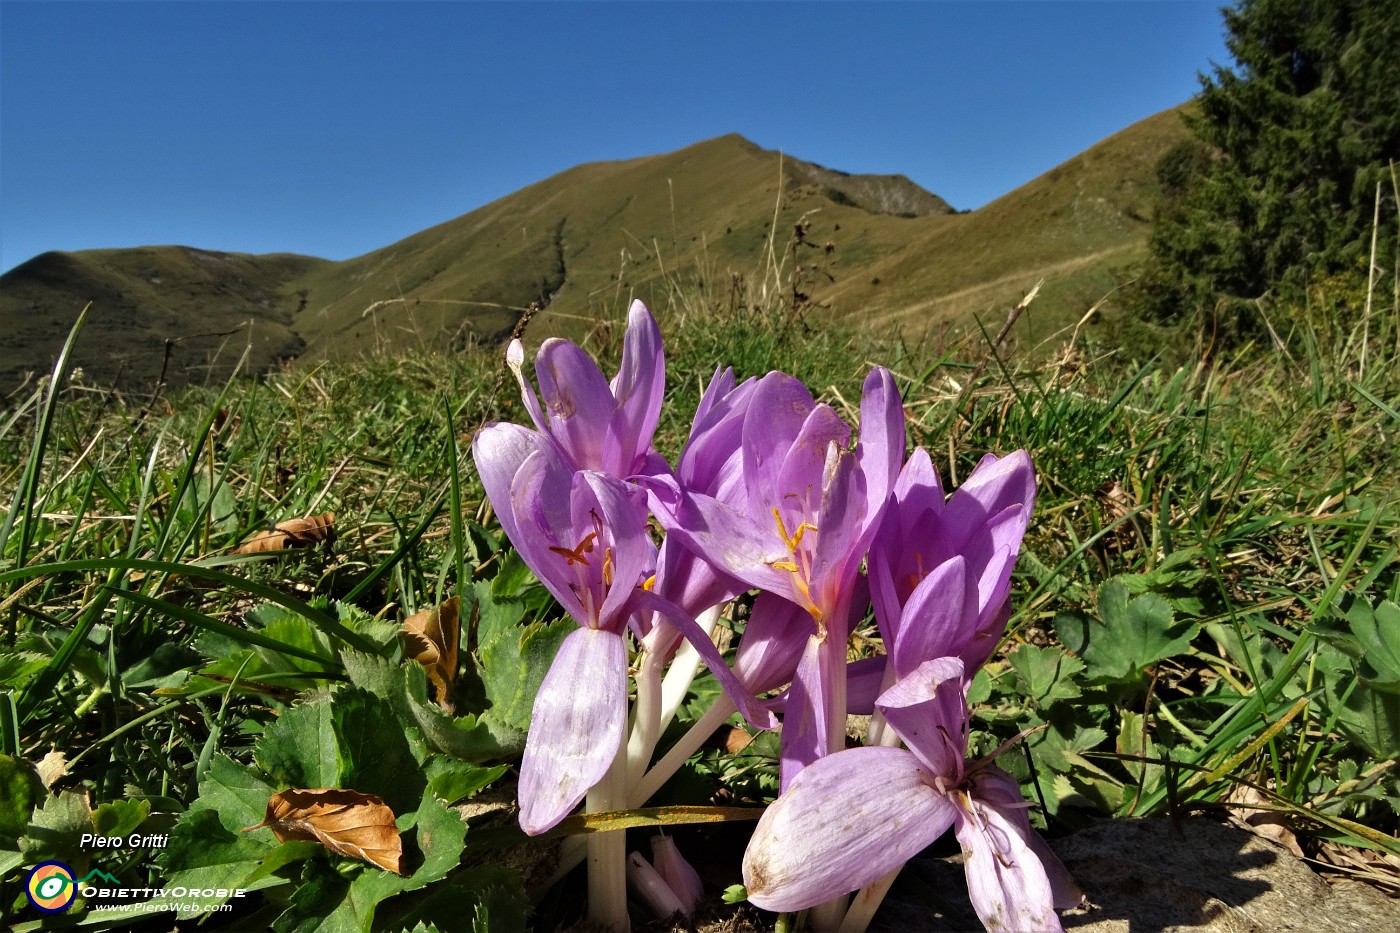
x=207 y=846
x=1128 y=636
x=375 y=756
x=453 y=780
x=491 y=894
x=405 y=686
x=204 y=853
x=511 y=662
x=1134 y=741
x=1061 y=753
x=300 y=749
x=17 y=668
x=1377 y=631
x=120 y=817
x=513 y=577
x=57 y=829
x=288 y=628
x=20 y=791
x=1045 y=675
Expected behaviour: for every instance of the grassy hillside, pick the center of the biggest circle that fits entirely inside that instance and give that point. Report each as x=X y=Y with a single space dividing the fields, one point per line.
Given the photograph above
x=583 y=242
x=1077 y=227
x=201 y=308
x=720 y=225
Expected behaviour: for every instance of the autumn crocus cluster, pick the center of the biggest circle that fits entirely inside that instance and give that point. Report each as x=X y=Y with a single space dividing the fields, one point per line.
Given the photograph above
x=773 y=492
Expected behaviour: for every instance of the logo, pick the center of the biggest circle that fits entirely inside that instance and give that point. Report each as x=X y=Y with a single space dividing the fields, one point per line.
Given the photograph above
x=51 y=887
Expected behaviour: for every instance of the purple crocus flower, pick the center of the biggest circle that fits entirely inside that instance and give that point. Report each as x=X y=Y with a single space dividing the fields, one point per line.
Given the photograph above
x=793 y=515
x=828 y=834
x=595 y=424
x=940 y=572
x=584 y=534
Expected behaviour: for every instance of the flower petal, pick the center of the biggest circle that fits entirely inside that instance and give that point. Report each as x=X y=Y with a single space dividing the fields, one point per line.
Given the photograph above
x=577 y=401
x=499 y=450
x=840 y=539
x=576 y=727
x=726 y=538
x=802 y=478
x=773 y=642
x=638 y=388
x=992 y=486
x=940 y=619
x=777 y=410
x=928 y=709
x=881 y=446
x=1007 y=884
x=998 y=789
x=828 y=834
x=754 y=711
x=815 y=706
x=622 y=509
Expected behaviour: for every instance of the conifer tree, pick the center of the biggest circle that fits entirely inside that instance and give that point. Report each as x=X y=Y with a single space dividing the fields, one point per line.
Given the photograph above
x=1277 y=186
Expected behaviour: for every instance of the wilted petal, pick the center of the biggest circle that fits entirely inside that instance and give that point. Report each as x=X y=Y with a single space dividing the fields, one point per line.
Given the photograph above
x=576 y=728
x=1007 y=884
x=651 y=887
x=829 y=834
x=999 y=790
x=515 y=359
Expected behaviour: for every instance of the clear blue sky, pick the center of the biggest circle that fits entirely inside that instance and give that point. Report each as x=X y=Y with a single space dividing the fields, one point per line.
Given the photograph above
x=334 y=129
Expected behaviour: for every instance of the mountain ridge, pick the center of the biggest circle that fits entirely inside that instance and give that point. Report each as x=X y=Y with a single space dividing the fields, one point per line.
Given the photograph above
x=693 y=227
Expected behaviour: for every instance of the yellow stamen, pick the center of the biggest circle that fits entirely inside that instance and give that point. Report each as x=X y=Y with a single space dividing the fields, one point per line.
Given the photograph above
x=607 y=566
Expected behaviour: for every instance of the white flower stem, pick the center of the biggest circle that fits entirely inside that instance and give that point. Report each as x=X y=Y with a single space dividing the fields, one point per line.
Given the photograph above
x=827 y=917
x=866 y=902
x=684 y=667
x=646 y=785
x=607 y=853
x=646 y=714
x=658 y=700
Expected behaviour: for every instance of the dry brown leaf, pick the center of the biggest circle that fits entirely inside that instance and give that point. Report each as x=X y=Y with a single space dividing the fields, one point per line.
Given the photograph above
x=51 y=767
x=1241 y=804
x=432 y=638
x=294 y=532
x=345 y=821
